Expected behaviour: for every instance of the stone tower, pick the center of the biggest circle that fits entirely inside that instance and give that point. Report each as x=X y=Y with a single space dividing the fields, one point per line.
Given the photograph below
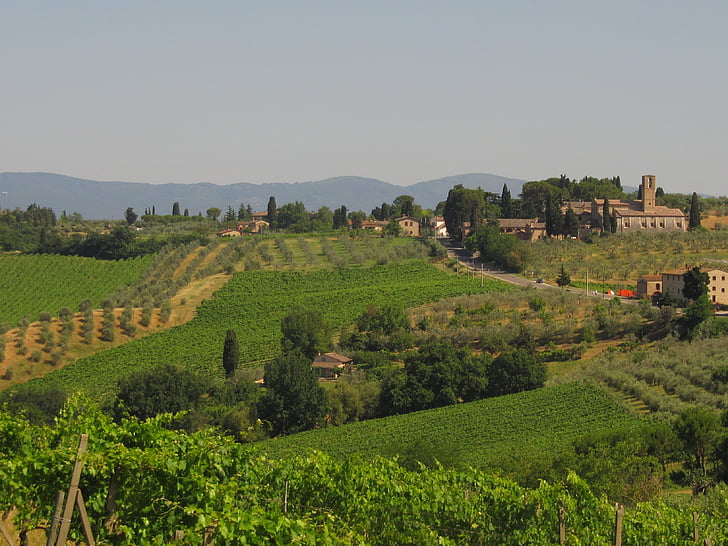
x=648 y=192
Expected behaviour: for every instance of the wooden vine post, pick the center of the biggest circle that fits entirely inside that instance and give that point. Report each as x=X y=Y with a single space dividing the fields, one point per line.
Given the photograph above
x=618 y=522
x=74 y=498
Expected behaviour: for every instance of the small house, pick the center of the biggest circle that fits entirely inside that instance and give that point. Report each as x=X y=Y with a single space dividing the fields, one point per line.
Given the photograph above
x=330 y=365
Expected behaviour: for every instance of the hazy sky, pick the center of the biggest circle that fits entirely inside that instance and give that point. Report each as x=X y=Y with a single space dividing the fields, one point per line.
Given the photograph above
x=404 y=91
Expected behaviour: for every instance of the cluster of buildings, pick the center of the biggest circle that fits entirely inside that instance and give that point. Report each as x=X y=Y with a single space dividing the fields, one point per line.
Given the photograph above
x=638 y=215
x=673 y=282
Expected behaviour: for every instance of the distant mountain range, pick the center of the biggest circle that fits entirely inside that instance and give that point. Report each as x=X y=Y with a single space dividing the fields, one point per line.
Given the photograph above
x=109 y=200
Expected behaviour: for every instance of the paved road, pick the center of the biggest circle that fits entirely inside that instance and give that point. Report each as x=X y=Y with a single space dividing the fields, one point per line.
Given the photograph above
x=466 y=258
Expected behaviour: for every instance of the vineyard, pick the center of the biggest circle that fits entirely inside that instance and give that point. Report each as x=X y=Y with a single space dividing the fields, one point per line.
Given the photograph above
x=31 y=284
x=163 y=292
x=498 y=432
x=145 y=484
x=253 y=303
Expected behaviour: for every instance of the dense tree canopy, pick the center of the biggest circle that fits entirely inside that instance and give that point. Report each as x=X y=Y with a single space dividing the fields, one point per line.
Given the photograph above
x=294 y=400
x=516 y=371
x=305 y=330
x=166 y=388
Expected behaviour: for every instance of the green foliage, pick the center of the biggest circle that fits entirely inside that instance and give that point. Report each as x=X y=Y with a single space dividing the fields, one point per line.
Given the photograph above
x=695 y=314
x=294 y=400
x=504 y=250
x=305 y=330
x=436 y=375
x=516 y=371
x=164 y=481
x=695 y=283
x=698 y=428
x=164 y=389
x=40 y=405
x=463 y=205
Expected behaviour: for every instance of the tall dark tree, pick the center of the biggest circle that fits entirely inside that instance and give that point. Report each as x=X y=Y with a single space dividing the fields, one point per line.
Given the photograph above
x=175 y=209
x=571 y=223
x=695 y=283
x=405 y=204
x=230 y=353
x=272 y=212
x=554 y=217
x=606 y=215
x=305 y=330
x=463 y=206
x=294 y=401
x=340 y=217
x=563 y=279
x=506 y=203
x=694 y=218
x=130 y=216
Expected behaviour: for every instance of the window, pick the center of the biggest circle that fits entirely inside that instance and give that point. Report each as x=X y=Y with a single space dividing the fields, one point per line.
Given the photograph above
x=657 y=286
x=652 y=224
x=722 y=290
x=713 y=289
x=714 y=277
x=662 y=224
x=644 y=224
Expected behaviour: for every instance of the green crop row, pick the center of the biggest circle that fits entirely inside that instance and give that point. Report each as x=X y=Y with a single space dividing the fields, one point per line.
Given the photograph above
x=481 y=434
x=32 y=284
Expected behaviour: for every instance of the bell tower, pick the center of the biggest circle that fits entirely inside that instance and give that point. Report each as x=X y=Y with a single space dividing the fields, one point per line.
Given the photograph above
x=649 y=190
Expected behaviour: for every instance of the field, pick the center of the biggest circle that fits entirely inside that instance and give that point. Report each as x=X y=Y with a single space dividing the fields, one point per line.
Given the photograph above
x=491 y=433
x=253 y=303
x=33 y=284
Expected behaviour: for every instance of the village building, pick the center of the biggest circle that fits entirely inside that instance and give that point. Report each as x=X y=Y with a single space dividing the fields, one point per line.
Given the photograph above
x=438 y=226
x=639 y=215
x=331 y=365
x=374 y=225
x=673 y=283
x=649 y=286
x=228 y=233
x=526 y=229
x=410 y=226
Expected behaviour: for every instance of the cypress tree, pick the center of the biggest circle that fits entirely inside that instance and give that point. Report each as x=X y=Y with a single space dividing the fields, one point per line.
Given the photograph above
x=506 y=203
x=230 y=353
x=694 y=219
x=272 y=211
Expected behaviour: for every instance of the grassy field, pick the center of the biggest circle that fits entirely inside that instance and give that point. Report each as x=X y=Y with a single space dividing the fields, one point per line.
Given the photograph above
x=487 y=434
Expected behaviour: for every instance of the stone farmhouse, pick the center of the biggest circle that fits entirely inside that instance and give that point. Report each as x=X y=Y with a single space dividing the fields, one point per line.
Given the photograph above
x=639 y=215
x=410 y=226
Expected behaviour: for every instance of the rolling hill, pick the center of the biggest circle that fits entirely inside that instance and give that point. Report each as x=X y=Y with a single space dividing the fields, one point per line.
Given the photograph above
x=108 y=200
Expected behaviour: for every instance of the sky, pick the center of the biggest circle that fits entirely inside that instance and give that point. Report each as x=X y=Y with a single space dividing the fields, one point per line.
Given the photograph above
x=399 y=90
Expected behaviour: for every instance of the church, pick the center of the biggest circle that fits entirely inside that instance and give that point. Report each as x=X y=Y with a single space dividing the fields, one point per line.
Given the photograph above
x=640 y=215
